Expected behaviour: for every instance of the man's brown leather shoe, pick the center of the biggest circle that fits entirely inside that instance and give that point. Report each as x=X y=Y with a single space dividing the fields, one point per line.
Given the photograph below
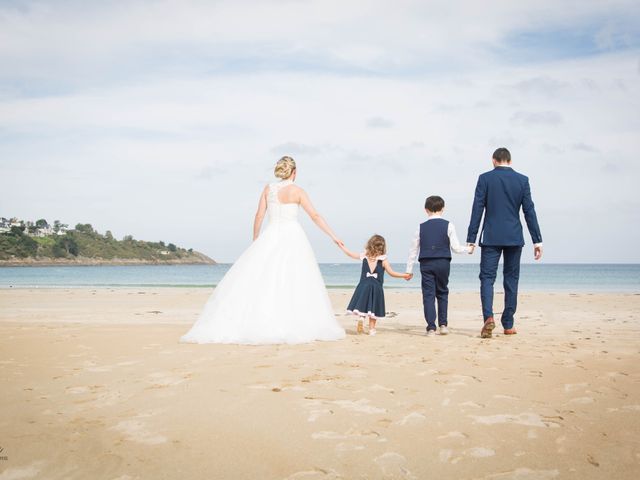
x=487 y=328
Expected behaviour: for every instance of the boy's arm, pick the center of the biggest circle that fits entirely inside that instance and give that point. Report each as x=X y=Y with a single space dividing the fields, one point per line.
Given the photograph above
x=455 y=243
x=349 y=253
x=413 y=251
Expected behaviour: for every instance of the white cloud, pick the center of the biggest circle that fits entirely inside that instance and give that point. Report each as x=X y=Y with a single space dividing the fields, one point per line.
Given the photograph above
x=164 y=119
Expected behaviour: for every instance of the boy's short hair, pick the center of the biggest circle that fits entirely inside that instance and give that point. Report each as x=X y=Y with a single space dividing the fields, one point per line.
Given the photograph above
x=434 y=203
x=502 y=155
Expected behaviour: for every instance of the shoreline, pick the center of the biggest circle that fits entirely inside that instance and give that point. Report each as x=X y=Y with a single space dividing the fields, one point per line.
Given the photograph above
x=101 y=263
x=330 y=288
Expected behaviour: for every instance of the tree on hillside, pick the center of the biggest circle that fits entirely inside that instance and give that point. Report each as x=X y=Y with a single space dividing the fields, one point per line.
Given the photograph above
x=85 y=228
x=172 y=247
x=58 y=225
x=64 y=246
x=42 y=223
x=108 y=235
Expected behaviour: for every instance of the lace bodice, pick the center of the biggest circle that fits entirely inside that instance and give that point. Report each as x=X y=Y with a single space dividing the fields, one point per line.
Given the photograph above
x=276 y=210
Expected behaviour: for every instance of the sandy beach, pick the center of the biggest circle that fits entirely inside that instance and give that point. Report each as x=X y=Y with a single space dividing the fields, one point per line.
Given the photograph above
x=97 y=386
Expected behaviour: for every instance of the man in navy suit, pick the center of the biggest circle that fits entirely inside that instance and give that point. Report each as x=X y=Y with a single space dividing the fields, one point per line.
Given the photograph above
x=500 y=194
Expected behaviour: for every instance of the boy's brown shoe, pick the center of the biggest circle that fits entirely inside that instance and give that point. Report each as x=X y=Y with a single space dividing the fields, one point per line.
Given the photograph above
x=487 y=328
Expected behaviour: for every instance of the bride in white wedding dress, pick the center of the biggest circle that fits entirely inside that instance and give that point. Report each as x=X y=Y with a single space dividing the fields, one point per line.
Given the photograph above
x=273 y=293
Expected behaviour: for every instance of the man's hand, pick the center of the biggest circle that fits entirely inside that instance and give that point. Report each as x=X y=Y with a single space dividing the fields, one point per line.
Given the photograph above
x=408 y=276
x=537 y=252
x=472 y=247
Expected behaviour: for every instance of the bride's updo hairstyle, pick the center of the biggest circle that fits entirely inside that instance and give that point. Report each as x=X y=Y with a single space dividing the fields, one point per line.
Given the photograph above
x=285 y=167
x=376 y=246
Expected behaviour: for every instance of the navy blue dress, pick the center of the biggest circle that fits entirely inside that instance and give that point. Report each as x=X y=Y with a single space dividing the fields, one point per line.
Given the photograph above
x=368 y=299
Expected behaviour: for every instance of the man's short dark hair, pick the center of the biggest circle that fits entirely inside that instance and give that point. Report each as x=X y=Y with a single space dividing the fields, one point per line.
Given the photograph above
x=434 y=203
x=502 y=155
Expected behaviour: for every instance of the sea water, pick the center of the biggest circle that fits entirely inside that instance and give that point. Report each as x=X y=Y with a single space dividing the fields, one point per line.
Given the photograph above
x=464 y=277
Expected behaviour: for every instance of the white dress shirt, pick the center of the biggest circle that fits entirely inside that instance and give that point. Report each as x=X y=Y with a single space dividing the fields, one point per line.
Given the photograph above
x=453 y=240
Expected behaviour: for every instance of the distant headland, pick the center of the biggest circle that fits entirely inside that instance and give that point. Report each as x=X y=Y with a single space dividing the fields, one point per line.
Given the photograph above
x=27 y=243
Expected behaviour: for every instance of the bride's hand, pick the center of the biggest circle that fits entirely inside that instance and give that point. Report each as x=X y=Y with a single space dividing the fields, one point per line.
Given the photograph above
x=339 y=242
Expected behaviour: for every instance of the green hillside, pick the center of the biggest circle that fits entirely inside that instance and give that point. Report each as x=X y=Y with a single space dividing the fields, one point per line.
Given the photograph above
x=85 y=243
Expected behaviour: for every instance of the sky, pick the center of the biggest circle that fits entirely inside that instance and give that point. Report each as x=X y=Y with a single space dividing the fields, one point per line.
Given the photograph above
x=164 y=119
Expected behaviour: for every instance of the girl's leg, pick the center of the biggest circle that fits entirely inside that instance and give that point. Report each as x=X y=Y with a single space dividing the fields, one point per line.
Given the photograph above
x=360 y=328
x=372 y=326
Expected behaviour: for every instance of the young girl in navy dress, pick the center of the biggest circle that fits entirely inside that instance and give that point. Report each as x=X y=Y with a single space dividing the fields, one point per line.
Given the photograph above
x=368 y=299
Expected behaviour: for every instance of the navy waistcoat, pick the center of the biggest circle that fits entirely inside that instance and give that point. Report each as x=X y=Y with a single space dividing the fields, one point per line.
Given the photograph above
x=434 y=239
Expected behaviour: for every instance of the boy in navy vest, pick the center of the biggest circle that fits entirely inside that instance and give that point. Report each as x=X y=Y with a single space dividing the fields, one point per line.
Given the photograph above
x=432 y=245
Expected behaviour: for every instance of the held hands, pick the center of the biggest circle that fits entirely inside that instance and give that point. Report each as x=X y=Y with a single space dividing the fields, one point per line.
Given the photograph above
x=537 y=252
x=339 y=242
x=407 y=276
x=472 y=247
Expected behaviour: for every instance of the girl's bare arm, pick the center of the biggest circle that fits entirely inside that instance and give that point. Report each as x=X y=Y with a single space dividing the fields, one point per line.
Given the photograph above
x=390 y=271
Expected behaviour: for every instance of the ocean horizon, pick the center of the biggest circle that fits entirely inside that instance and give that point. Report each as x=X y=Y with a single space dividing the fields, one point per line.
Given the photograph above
x=464 y=277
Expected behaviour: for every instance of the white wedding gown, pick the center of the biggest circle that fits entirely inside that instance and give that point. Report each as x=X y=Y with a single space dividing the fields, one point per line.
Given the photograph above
x=273 y=293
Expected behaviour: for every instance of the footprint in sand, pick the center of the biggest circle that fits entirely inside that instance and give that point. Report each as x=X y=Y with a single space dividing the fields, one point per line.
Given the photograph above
x=359 y=406
x=414 y=418
x=453 y=435
x=347 y=447
x=523 y=474
x=394 y=465
x=349 y=434
x=19 y=473
x=506 y=397
x=582 y=400
x=572 y=387
x=480 y=452
x=380 y=388
x=77 y=390
x=316 y=414
x=167 y=379
x=109 y=398
x=445 y=455
x=135 y=431
x=315 y=474
x=527 y=419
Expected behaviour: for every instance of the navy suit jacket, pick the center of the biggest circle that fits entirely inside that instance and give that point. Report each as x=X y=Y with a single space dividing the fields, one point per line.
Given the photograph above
x=499 y=194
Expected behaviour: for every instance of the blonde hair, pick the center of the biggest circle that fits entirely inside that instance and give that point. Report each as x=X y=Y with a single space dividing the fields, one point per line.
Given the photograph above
x=285 y=167
x=376 y=246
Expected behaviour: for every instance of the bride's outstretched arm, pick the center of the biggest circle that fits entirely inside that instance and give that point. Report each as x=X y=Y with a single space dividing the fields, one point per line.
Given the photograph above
x=305 y=202
x=262 y=208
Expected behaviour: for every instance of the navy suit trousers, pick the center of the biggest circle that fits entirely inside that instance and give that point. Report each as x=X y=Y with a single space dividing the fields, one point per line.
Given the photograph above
x=489 y=260
x=435 y=286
